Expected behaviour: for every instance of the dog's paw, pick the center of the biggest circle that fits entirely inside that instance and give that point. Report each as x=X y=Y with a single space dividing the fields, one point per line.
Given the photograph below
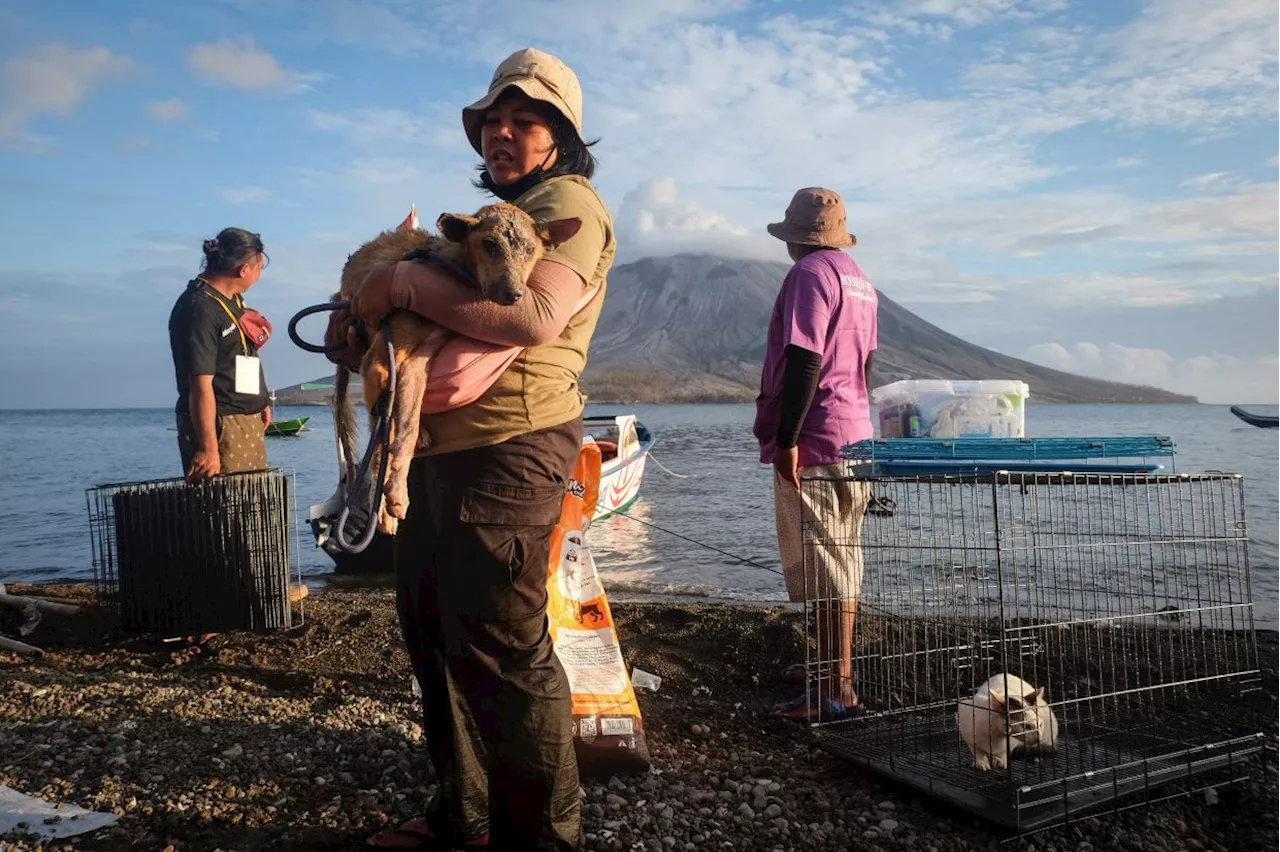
x=388 y=524
x=982 y=764
x=397 y=499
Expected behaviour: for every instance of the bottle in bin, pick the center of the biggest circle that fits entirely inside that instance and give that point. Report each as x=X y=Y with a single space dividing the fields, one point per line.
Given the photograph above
x=911 y=421
x=890 y=423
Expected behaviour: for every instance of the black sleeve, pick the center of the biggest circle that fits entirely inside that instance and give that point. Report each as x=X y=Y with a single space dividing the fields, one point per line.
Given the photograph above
x=799 y=382
x=204 y=335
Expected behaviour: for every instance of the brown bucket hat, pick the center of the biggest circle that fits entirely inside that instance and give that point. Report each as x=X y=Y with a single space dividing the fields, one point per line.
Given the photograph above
x=815 y=217
x=539 y=75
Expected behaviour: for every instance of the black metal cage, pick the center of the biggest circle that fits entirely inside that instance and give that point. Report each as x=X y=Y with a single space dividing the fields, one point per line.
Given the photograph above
x=179 y=558
x=1124 y=597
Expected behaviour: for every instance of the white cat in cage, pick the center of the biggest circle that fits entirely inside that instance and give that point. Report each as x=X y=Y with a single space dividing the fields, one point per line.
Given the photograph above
x=1006 y=714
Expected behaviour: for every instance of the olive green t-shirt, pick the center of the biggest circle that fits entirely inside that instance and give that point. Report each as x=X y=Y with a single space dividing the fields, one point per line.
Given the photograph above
x=540 y=388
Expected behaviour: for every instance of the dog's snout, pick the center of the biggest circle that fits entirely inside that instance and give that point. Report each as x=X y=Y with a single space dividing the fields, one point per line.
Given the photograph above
x=506 y=290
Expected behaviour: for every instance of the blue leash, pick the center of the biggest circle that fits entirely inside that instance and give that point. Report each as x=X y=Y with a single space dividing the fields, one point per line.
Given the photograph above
x=379 y=435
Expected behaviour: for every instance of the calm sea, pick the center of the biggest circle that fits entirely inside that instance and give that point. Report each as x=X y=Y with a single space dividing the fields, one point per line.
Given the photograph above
x=725 y=500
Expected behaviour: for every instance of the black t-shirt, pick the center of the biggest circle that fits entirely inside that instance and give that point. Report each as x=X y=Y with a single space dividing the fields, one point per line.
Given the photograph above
x=205 y=341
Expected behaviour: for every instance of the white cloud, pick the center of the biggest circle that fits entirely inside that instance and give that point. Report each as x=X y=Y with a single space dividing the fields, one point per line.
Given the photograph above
x=1123 y=363
x=244 y=194
x=974 y=12
x=1194 y=63
x=51 y=79
x=691 y=92
x=654 y=220
x=242 y=65
x=1214 y=182
x=736 y=115
x=402 y=27
x=171 y=110
x=1212 y=378
x=1032 y=225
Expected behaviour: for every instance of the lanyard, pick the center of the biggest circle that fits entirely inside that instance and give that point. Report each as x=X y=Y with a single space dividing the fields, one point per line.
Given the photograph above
x=243 y=342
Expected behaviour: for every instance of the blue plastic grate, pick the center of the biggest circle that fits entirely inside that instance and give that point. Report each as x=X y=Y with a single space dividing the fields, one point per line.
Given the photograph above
x=1009 y=449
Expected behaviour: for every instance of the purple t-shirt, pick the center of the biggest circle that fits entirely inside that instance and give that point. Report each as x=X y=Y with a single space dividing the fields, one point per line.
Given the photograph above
x=827 y=306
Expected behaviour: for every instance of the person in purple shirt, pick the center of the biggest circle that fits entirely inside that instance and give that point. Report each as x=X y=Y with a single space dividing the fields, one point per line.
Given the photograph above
x=814 y=399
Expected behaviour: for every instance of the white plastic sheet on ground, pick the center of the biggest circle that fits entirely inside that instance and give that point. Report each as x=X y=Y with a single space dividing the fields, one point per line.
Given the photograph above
x=20 y=812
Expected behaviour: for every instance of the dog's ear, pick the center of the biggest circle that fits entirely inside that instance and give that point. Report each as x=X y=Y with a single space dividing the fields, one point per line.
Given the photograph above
x=997 y=697
x=1037 y=697
x=455 y=226
x=557 y=232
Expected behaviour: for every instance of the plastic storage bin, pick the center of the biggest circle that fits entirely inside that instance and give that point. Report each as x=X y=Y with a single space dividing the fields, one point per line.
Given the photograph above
x=945 y=408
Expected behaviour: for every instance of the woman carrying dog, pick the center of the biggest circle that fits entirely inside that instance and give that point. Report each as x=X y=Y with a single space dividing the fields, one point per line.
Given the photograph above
x=473 y=550
x=222 y=408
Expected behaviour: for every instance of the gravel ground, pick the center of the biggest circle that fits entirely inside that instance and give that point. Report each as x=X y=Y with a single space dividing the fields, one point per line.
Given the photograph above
x=310 y=739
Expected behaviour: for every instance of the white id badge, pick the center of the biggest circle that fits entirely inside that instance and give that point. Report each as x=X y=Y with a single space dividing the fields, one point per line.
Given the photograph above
x=248 y=374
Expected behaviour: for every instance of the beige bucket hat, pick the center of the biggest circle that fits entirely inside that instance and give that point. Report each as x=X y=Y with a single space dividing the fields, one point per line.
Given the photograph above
x=815 y=217
x=539 y=75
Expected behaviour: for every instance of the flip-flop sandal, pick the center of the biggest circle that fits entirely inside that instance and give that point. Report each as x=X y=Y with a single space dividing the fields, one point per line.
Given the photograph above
x=418 y=834
x=794 y=673
x=810 y=708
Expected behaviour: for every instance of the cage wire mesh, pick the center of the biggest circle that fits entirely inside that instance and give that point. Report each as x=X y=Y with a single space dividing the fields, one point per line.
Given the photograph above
x=1126 y=598
x=210 y=556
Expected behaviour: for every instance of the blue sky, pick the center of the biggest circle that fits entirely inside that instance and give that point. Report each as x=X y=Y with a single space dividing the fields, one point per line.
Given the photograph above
x=1092 y=185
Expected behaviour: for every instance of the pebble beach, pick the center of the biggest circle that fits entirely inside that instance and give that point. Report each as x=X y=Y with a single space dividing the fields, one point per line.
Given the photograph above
x=310 y=738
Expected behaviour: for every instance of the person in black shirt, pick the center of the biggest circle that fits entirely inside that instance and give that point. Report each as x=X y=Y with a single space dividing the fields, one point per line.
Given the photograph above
x=223 y=405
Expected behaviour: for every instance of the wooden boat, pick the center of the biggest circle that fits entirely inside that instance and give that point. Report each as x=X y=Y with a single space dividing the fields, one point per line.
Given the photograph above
x=624 y=444
x=284 y=428
x=1262 y=421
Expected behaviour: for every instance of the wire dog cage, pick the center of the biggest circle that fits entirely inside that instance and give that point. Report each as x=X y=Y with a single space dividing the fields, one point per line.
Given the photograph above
x=1030 y=644
x=212 y=556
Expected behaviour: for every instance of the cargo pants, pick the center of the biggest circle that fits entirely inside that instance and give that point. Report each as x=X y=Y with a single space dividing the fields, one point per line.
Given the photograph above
x=471 y=592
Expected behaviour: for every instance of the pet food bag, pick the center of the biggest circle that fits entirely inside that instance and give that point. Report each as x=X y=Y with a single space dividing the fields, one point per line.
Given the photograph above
x=607 y=728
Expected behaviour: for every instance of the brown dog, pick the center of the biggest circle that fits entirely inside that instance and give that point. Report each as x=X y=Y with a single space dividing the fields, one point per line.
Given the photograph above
x=499 y=246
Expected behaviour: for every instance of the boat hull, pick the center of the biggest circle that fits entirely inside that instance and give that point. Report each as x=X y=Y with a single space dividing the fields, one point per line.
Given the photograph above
x=286 y=428
x=621 y=476
x=1262 y=421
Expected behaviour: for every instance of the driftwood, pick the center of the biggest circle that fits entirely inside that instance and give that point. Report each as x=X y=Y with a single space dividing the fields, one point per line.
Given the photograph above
x=17 y=647
x=43 y=604
x=32 y=610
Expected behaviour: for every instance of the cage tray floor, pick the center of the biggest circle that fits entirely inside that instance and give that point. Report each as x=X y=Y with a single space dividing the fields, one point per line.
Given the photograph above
x=1093 y=766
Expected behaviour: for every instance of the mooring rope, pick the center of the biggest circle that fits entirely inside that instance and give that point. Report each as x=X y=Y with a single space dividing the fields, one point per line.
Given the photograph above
x=665 y=468
x=744 y=560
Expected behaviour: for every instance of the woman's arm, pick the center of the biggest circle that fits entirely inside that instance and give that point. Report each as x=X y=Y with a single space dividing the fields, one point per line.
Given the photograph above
x=548 y=304
x=203 y=409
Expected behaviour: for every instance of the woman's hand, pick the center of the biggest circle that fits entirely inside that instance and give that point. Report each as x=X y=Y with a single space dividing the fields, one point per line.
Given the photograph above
x=372 y=301
x=266 y=417
x=342 y=330
x=206 y=464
